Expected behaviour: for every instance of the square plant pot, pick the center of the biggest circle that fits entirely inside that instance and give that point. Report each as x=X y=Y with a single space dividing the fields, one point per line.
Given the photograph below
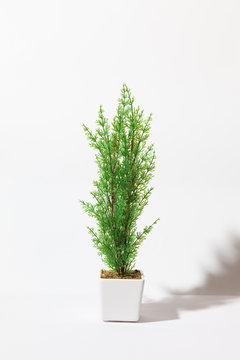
x=121 y=299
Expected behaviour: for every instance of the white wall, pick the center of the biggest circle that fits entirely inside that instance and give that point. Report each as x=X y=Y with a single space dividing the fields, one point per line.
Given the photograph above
x=59 y=61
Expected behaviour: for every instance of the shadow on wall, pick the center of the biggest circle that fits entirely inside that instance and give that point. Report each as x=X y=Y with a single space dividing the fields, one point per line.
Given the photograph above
x=218 y=289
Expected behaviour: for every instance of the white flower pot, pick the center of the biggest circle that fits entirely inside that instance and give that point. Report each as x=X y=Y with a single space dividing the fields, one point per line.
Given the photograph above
x=121 y=299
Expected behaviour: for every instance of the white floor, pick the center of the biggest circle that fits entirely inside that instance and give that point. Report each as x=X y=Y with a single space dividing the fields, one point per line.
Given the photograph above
x=67 y=327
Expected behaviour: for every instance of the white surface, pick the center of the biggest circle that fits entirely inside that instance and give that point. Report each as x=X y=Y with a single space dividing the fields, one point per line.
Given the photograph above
x=68 y=327
x=121 y=299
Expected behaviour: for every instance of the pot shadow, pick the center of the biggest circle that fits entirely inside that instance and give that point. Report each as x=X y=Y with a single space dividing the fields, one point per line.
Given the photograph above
x=217 y=289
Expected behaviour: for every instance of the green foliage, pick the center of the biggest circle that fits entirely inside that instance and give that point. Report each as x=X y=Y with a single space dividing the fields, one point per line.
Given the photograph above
x=125 y=167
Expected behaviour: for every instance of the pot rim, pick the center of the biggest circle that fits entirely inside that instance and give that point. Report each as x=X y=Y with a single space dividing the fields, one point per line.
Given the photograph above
x=142 y=278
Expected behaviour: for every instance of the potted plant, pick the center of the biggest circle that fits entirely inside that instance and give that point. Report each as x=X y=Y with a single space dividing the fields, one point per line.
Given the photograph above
x=125 y=166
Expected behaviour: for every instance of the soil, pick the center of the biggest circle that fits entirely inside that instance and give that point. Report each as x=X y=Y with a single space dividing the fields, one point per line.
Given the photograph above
x=107 y=274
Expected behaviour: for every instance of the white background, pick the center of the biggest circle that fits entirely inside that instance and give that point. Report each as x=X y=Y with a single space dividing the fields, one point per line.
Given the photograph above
x=59 y=61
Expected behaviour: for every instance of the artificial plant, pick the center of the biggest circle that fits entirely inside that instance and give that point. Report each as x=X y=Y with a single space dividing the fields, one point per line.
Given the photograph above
x=125 y=167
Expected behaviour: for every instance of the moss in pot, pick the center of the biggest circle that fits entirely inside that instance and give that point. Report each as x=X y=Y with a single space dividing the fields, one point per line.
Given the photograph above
x=126 y=165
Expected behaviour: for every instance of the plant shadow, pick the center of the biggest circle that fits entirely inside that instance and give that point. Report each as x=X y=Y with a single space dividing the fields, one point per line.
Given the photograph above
x=217 y=289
